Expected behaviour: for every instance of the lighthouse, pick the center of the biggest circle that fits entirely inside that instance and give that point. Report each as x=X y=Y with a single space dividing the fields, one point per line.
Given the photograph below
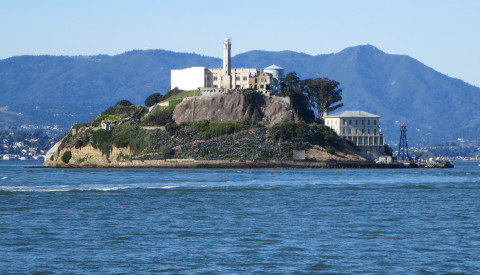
x=227 y=66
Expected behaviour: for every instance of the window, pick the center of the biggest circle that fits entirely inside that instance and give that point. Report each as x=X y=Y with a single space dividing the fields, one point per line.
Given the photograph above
x=343 y=130
x=363 y=122
x=245 y=78
x=363 y=131
x=369 y=122
x=261 y=86
x=375 y=122
x=215 y=78
x=208 y=78
x=256 y=81
x=350 y=122
x=374 y=131
x=237 y=78
x=356 y=122
x=369 y=131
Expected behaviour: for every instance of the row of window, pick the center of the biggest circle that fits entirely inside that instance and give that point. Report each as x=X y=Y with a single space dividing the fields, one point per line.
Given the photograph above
x=254 y=86
x=349 y=131
x=349 y=122
x=356 y=122
x=237 y=78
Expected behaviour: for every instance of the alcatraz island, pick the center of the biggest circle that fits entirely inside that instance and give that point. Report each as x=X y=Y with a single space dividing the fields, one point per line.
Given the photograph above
x=230 y=118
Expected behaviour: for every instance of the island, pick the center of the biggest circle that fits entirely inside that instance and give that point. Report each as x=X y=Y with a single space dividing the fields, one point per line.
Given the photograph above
x=186 y=129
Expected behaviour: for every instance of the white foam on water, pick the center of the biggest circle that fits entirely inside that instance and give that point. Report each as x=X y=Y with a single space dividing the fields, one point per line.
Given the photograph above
x=169 y=186
x=115 y=188
x=355 y=183
x=61 y=188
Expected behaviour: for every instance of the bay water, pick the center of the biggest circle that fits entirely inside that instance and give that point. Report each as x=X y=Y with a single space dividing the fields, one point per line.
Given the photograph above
x=237 y=221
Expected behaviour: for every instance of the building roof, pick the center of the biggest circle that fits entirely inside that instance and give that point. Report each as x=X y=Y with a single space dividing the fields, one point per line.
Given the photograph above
x=273 y=67
x=355 y=114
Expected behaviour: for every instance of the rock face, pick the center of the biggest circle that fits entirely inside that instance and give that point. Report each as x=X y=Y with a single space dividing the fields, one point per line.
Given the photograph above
x=85 y=157
x=221 y=107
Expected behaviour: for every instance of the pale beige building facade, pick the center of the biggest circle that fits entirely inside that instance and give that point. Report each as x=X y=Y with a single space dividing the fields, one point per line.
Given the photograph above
x=361 y=128
x=225 y=78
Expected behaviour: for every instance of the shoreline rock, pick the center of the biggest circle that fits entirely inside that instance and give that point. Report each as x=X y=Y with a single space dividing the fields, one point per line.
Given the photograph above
x=226 y=164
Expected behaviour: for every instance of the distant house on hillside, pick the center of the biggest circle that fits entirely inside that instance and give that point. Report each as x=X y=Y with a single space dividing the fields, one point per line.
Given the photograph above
x=227 y=78
x=361 y=128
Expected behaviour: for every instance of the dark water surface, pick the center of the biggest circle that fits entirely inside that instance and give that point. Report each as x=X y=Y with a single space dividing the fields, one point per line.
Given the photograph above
x=137 y=221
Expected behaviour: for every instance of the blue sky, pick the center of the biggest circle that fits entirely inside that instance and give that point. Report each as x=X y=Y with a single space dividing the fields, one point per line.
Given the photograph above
x=442 y=34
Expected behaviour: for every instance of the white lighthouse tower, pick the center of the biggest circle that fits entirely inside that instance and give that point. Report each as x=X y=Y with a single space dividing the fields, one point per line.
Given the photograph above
x=227 y=67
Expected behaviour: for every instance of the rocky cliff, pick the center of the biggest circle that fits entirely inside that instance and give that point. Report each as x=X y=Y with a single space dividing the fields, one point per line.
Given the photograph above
x=222 y=107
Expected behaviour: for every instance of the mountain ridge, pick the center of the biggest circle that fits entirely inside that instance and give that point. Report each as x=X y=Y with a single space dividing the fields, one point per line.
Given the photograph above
x=68 y=89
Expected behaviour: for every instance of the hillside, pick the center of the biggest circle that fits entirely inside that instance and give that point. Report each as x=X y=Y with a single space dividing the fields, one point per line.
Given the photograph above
x=64 y=90
x=142 y=137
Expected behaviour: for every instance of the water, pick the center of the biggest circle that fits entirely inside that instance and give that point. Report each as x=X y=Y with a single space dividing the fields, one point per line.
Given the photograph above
x=137 y=221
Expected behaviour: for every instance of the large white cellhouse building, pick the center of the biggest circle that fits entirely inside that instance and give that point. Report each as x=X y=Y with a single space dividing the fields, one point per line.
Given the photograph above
x=189 y=78
x=227 y=78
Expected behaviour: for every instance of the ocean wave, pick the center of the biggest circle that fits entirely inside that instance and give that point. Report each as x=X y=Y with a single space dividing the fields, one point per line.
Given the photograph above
x=169 y=186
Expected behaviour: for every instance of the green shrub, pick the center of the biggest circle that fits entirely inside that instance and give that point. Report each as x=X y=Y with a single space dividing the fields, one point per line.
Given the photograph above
x=66 y=156
x=172 y=128
x=129 y=135
x=161 y=117
x=103 y=116
x=121 y=141
x=312 y=133
x=253 y=113
x=123 y=108
x=102 y=139
x=331 y=150
x=166 y=152
x=81 y=142
x=124 y=103
x=212 y=129
x=172 y=104
x=152 y=99
x=175 y=91
x=79 y=125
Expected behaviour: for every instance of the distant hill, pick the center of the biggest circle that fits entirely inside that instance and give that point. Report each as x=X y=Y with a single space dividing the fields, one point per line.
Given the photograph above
x=63 y=90
x=68 y=89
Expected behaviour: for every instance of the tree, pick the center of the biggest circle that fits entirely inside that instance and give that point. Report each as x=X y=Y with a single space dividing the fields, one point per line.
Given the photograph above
x=323 y=93
x=67 y=156
x=124 y=103
x=152 y=99
x=290 y=85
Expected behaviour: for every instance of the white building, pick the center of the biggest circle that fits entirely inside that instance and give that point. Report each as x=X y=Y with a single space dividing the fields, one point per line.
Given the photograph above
x=361 y=128
x=227 y=78
x=189 y=78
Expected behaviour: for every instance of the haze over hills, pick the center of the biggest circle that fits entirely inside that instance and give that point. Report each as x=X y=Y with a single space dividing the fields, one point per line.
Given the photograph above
x=63 y=90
